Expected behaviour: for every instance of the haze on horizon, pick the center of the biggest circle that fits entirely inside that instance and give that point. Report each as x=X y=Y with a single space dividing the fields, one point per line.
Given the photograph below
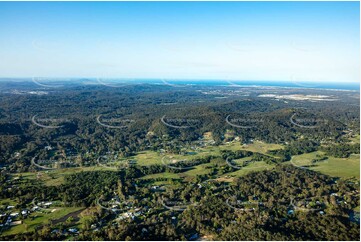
x=308 y=41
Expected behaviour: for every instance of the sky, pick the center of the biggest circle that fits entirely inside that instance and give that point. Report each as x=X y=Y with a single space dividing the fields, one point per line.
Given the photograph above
x=276 y=41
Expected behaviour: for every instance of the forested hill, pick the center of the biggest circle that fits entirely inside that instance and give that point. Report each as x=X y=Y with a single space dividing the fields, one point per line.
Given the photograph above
x=85 y=114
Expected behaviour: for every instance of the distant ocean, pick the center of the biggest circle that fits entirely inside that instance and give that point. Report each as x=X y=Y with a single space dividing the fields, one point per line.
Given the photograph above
x=354 y=86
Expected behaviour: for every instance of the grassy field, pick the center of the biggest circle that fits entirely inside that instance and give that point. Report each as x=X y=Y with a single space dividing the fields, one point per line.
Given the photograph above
x=56 y=177
x=341 y=167
x=256 y=146
x=305 y=159
x=30 y=224
x=255 y=166
x=147 y=158
x=198 y=170
x=338 y=167
x=166 y=175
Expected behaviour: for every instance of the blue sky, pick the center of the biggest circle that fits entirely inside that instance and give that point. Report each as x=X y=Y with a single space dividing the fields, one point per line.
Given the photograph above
x=302 y=41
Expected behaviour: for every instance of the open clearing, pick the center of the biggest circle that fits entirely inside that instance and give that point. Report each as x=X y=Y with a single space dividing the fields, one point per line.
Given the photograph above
x=254 y=166
x=338 y=167
x=56 y=177
x=39 y=219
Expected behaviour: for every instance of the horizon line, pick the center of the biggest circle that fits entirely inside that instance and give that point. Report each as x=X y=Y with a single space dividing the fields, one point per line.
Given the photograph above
x=176 y=79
